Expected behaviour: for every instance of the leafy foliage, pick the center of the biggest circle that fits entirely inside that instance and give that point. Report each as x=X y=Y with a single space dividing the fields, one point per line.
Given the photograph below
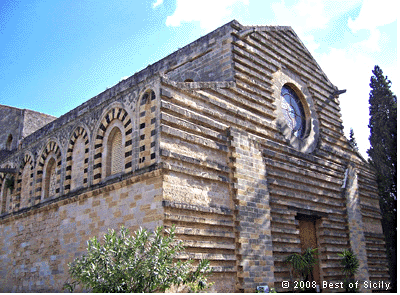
x=145 y=262
x=309 y=257
x=383 y=157
x=302 y=264
x=350 y=265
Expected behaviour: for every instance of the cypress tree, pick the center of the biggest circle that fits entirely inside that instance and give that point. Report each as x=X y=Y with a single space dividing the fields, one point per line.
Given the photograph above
x=383 y=157
x=352 y=140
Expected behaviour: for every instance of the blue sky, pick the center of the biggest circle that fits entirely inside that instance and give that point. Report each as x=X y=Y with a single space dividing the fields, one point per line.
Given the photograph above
x=55 y=55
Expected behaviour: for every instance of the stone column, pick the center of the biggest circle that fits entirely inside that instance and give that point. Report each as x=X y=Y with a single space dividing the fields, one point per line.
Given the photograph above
x=255 y=263
x=356 y=228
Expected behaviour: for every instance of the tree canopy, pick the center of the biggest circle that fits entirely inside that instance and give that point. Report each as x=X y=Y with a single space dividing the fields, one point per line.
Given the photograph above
x=383 y=156
x=352 y=140
x=383 y=130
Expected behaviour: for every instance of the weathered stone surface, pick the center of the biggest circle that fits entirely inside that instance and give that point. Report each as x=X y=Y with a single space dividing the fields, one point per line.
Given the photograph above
x=197 y=140
x=19 y=123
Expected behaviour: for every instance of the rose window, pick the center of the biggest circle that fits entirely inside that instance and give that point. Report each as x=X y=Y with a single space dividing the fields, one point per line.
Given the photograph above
x=293 y=111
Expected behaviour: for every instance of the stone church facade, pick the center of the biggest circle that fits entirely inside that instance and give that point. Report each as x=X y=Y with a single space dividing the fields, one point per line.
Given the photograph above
x=237 y=139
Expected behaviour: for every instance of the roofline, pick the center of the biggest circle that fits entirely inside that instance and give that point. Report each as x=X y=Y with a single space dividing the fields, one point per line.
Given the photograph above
x=248 y=30
x=25 y=110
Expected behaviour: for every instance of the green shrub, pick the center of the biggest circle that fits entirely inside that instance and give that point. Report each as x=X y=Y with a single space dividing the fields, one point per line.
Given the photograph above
x=145 y=262
x=350 y=265
x=301 y=265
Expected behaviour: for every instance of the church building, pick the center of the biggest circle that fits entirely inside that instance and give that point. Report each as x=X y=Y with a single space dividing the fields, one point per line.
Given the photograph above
x=236 y=139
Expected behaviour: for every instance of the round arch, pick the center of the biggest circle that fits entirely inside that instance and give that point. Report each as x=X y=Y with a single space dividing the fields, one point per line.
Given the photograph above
x=115 y=114
x=77 y=160
x=51 y=149
x=25 y=180
x=5 y=193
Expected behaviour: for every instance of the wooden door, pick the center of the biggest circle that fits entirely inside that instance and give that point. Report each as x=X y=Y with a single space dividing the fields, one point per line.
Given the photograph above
x=308 y=239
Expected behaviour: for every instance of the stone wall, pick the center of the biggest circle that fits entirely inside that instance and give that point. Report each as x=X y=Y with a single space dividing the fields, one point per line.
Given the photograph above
x=355 y=222
x=207 y=59
x=19 y=123
x=304 y=176
x=34 y=121
x=37 y=244
x=10 y=125
x=212 y=155
x=255 y=263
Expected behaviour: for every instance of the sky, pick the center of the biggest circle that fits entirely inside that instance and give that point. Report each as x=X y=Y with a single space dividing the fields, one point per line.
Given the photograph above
x=55 y=55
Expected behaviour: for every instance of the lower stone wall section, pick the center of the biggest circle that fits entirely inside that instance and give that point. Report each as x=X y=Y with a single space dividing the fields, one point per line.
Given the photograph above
x=207 y=233
x=356 y=228
x=252 y=214
x=37 y=245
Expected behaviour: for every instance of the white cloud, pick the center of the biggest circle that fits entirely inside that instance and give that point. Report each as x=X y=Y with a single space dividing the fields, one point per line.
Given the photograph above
x=304 y=17
x=209 y=13
x=308 y=16
x=157 y=3
x=374 y=14
x=372 y=44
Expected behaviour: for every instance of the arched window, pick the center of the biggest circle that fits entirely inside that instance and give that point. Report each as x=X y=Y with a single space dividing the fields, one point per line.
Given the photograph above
x=113 y=145
x=115 y=152
x=50 y=179
x=7 y=183
x=47 y=183
x=9 y=142
x=77 y=165
x=4 y=196
x=25 y=185
x=77 y=160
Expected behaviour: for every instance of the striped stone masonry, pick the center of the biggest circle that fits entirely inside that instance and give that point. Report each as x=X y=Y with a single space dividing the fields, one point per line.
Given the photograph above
x=356 y=228
x=120 y=115
x=147 y=130
x=198 y=140
x=80 y=132
x=52 y=150
x=252 y=214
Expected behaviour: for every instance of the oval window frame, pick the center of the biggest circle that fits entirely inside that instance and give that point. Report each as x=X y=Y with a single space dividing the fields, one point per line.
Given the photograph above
x=308 y=142
x=294 y=111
